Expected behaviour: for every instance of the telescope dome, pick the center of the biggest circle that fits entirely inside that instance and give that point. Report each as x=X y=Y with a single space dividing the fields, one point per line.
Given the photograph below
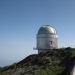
x=47 y=29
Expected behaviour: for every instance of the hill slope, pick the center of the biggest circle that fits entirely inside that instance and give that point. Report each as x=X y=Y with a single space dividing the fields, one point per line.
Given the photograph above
x=54 y=62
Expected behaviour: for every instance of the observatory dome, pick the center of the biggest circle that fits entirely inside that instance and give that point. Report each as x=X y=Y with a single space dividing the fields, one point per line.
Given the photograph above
x=47 y=39
x=47 y=29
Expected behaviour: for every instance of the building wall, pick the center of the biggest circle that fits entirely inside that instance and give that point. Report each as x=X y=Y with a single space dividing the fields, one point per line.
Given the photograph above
x=46 y=42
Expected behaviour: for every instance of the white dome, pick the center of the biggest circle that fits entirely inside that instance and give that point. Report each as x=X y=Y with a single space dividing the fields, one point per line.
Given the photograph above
x=47 y=29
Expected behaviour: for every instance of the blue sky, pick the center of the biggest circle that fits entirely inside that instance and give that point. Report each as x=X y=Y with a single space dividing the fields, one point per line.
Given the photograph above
x=21 y=19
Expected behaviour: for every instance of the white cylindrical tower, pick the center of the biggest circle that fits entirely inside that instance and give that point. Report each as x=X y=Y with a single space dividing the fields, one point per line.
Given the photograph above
x=46 y=39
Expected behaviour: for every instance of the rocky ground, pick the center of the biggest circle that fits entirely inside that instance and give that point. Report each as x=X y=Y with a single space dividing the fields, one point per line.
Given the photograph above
x=53 y=62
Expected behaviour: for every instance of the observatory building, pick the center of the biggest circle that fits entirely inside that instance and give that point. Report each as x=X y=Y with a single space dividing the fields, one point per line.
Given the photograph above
x=47 y=39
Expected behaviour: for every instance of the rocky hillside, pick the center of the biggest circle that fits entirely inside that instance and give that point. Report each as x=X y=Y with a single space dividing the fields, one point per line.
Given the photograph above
x=54 y=62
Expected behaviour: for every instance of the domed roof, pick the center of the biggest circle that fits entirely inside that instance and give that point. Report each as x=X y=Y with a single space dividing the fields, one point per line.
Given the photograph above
x=47 y=29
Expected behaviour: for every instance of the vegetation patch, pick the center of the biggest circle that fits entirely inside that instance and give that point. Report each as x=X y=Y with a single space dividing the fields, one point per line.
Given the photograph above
x=53 y=62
